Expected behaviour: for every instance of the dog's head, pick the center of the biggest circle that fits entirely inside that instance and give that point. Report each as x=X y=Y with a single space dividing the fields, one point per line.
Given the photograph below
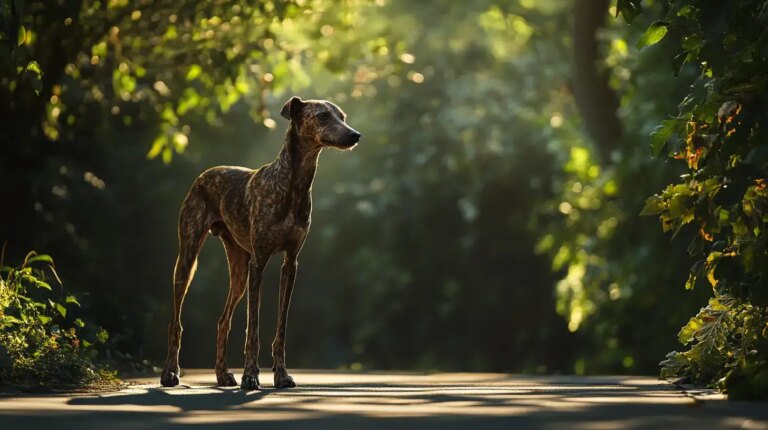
x=320 y=122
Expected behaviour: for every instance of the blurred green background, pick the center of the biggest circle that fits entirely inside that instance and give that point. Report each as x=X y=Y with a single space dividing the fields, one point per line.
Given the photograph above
x=486 y=222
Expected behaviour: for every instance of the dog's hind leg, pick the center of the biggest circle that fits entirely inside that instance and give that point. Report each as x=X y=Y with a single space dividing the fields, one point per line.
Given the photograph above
x=238 y=259
x=193 y=227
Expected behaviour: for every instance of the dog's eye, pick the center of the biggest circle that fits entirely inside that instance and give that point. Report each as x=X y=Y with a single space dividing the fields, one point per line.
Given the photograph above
x=323 y=116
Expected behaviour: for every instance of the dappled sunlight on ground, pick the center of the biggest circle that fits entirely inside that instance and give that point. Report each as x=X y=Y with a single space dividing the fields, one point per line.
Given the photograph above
x=375 y=400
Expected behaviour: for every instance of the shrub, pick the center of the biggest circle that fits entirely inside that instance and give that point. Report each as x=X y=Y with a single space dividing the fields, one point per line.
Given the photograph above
x=720 y=135
x=41 y=348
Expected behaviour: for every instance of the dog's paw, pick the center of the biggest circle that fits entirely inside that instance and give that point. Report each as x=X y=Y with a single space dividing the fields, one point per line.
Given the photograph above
x=284 y=380
x=170 y=378
x=225 y=378
x=250 y=381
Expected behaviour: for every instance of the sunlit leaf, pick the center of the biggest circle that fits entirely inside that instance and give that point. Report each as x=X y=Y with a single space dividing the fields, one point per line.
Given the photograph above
x=655 y=32
x=653 y=205
x=157 y=145
x=167 y=155
x=35 y=75
x=193 y=72
x=10 y=319
x=102 y=335
x=40 y=258
x=22 y=36
x=691 y=282
x=61 y=309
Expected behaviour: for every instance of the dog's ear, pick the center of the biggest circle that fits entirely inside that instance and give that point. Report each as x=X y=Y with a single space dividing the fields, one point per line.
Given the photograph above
x=292 y=108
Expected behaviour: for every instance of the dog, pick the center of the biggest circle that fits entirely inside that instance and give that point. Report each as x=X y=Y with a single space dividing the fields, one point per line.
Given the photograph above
x=255 y=213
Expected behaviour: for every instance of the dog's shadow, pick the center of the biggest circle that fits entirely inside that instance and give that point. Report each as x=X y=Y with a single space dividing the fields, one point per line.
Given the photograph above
x=183 y=397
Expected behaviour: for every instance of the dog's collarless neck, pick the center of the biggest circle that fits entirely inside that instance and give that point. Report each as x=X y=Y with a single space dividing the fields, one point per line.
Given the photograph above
x=298 y=161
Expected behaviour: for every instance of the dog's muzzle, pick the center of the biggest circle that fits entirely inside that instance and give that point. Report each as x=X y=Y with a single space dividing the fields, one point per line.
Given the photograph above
x=352 y=138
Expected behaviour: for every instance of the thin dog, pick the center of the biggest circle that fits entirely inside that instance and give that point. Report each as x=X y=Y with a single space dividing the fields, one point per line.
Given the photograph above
x=255 y=213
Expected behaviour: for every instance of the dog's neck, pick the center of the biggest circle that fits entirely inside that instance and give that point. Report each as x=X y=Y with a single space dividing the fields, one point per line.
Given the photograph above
x=297 y=162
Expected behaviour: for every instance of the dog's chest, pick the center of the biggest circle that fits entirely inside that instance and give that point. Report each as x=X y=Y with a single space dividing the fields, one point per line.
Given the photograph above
x=289 y=229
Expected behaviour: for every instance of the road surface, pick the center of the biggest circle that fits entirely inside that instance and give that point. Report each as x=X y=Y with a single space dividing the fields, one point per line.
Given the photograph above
x=338 y=400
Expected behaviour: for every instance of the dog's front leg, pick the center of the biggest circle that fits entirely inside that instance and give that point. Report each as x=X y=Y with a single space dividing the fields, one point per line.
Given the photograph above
x=287 y=279
x=250 y=379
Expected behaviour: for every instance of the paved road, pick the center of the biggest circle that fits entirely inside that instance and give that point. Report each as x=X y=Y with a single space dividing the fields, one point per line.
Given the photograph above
x=332 y=400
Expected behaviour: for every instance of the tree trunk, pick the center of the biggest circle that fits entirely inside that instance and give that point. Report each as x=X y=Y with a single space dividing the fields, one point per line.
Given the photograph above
x=594 y=97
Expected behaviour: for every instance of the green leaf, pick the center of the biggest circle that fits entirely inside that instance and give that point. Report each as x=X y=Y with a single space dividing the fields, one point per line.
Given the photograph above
x=9 y=319
x=653 y=205
x=22 y=36
x=661 y=134
x=629 y=9
x=42 y=284
x=691 y=282
x=674 y=365
x=102 y=335
x=62 y=310
x=688 y=332
x=72 y=299
x=157 y=145
x=40 y=258
x=692 y=44
x=35 y=74
x=167 y=155
x=686 y=10
x=44 y=319
x=193 y=72
x=678 y=205
x=34 y=67
x=655 y=32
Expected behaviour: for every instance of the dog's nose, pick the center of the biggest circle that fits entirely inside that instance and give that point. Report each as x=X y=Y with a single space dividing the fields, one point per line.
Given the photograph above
x=354 y=135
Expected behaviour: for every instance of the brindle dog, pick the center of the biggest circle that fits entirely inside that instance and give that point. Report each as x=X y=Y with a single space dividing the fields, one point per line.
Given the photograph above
x=255 y=213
